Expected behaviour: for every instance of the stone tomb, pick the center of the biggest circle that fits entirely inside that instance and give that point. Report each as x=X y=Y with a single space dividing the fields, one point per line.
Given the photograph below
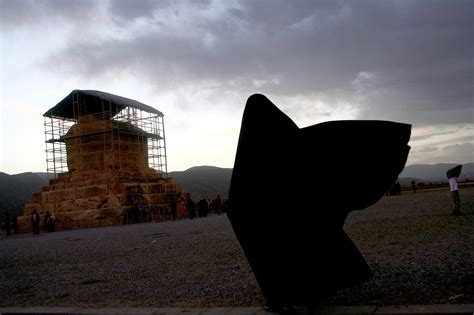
x=108 y=176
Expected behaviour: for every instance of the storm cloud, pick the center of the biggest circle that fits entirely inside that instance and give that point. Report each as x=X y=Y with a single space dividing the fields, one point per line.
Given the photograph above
x=408 y=61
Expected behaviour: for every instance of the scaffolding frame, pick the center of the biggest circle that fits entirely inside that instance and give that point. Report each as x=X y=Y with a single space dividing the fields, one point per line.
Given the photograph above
x=126 y=117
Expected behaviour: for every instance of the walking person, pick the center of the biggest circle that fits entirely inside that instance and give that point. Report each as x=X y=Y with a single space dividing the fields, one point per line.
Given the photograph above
x=453 y=186
x=452 y=175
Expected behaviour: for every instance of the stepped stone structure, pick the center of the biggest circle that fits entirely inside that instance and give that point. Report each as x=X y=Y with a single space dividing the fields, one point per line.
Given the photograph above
x=109 y=159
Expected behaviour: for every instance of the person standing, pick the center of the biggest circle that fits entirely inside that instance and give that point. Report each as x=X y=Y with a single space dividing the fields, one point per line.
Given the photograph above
x=182 y=209
x=218 y=205
x=15 y=225
x=35 y=218
x=174 y=206
x=413 y=186
x=8 y=224
x=191 y=208
x=453 y=186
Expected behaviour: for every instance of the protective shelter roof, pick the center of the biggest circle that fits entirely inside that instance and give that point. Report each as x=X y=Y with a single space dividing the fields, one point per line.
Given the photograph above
x=92 y=101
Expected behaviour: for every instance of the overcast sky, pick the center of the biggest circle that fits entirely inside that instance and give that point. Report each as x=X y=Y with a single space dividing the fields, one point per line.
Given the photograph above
x=199 y=61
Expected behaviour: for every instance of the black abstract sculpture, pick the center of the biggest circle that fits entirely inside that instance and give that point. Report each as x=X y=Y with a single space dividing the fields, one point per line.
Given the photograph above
x=292 y=189
x=454 y=172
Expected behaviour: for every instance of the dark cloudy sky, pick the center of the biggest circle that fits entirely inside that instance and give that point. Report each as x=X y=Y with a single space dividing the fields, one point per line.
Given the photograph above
x=198 y=61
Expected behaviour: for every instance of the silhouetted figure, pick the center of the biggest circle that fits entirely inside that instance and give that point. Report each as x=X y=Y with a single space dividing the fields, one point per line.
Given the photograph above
x=191 y=208
x=48 y=222
x=398 y=188
x=296 y=246
x=181 y=209
x=174 y=212
x=135 y=214
x=217 y=203
x=413 y=186
x=8 y=224
x=452 y=175
x=203 y=208
x=15 y=225
x=35 y=222
x=52 y=223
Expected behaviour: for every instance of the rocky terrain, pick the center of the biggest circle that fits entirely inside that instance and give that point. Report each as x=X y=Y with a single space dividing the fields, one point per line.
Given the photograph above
x=419 y=252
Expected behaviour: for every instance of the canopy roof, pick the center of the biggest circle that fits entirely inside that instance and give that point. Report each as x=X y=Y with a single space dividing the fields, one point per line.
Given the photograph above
x=91 y=102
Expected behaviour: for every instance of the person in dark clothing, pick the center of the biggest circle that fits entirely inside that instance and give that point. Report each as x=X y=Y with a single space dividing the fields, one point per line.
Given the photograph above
x=218 y=205
x=35 y=221
x=8 y=224
x=191 y=208
x=15 y=225
x=135 y=214
x=173 y=206
x=47 y=221
x=203 y=208
x=413 y=186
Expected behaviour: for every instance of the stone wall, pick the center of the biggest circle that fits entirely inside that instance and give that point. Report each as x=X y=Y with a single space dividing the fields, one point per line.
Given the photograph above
x=90 y=199
x=106 y=145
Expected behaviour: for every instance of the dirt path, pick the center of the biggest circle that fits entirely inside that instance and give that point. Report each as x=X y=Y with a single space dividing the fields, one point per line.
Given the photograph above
x=419 y=253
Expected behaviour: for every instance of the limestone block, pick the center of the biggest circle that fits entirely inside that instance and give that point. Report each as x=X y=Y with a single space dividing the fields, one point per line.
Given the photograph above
x=110 y=212
x=145 y=187
x=74 y=184
x=59 y=195
x=132 y=188
x=100 y=181
x=115 y=188
x=157 y=188
x=133 y=199
x=24 y=224
x=66 y=206
x=81 y=204
x=170 y=187
x=155 y=198
x=170 y=197
x=93 y=214
x=36 y=197
x=49 y=207
x=62 y=175
x=113 y=201
x=91 y=191
x=58 y=186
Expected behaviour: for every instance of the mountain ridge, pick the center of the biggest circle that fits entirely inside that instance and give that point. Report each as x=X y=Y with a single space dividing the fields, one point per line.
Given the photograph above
x=204 y=181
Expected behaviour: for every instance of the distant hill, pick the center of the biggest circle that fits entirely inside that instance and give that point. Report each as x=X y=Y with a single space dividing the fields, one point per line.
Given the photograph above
x=204 y=181
x=16 y=191
x=200 y=181
x=435 y=172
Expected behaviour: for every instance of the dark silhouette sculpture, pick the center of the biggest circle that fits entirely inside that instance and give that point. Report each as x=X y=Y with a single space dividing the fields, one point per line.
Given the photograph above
x=454 y=172
x=287 y=202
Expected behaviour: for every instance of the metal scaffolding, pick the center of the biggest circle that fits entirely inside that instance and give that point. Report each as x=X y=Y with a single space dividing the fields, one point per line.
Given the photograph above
x=105 y=120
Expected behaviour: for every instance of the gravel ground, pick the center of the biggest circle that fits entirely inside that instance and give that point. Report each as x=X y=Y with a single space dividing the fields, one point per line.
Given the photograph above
x=420 y=254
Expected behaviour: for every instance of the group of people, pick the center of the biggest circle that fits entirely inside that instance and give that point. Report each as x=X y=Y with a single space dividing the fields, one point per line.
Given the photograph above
x=48 y=222
x=185 y=206
x=394 y=190
x=10 y=224
x=180 y=208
